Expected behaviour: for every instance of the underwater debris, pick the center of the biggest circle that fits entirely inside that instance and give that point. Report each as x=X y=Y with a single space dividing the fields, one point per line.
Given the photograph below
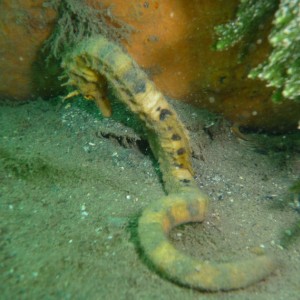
x=293 y=233
x=290 y=235
x=77 y=21
x=281 y=70
x=295 y=190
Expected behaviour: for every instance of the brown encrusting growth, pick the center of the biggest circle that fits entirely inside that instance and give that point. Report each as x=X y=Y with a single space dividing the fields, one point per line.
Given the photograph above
x=97 y=63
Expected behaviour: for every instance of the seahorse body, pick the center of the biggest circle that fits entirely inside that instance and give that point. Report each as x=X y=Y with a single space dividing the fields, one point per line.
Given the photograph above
x=97 y=64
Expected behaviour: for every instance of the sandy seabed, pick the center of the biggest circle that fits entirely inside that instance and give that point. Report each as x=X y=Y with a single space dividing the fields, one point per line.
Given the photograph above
x=74 y=184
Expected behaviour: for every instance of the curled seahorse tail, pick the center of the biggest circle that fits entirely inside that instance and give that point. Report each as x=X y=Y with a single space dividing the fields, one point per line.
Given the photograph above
x=163 y=215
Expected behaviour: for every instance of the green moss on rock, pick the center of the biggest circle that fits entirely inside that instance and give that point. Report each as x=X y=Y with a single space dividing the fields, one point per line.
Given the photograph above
x=281 y=70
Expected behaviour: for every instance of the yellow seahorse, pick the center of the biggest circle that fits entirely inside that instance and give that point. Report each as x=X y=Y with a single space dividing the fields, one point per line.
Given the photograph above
x=96 y=64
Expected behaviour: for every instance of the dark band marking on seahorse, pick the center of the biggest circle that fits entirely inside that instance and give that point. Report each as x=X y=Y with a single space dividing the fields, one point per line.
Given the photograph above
x=92 y=65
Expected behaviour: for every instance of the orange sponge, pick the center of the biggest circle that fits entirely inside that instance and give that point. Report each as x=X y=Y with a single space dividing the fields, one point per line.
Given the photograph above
x=172 y=42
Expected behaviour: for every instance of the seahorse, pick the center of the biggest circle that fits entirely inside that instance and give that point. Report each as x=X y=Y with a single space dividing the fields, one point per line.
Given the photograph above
x=96 y=65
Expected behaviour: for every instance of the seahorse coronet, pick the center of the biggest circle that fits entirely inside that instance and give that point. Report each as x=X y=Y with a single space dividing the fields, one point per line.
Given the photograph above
x=90 y=67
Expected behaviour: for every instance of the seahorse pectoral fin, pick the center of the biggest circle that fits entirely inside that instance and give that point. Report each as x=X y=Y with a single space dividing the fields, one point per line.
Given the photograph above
x=104 y=106
x=101 y=101
x=71 y=95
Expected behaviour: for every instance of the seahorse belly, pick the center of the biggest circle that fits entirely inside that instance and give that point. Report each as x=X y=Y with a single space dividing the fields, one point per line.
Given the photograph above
x=91 y=67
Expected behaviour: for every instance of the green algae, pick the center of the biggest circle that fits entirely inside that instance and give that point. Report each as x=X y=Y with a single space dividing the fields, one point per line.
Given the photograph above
x=281 y=69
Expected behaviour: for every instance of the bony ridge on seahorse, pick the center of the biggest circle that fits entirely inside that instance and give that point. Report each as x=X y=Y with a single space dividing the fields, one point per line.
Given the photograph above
x=96 y=64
